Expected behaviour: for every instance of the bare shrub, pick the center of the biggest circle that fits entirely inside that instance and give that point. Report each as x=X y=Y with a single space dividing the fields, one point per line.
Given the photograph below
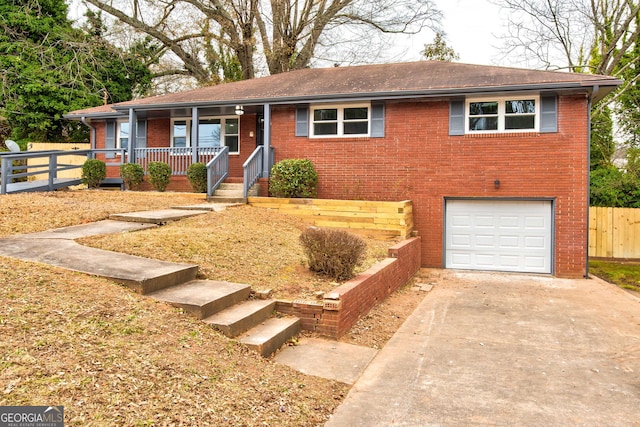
x=335 y=253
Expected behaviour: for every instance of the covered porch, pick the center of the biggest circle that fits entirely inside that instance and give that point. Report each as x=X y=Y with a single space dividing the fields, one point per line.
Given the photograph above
x=230 y=139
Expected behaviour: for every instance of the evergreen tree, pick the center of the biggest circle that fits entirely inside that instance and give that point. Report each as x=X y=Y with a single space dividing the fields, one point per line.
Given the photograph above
x=48 y=68
x=439 y=51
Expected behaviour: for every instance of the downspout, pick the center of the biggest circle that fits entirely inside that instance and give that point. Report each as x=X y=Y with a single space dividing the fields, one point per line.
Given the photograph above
x=92 y=138
x=594 y=93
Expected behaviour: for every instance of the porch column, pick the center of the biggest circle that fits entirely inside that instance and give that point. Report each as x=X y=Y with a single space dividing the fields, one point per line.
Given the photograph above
x=195 y=119
x=133 y=133
x=266 y=157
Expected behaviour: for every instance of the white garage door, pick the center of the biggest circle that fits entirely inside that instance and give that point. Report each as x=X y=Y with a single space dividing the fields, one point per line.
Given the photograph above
x=499 y=235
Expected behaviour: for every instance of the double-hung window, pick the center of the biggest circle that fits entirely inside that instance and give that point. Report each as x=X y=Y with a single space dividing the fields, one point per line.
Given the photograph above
x=340 y=121
x=179 y=134
x=506 y=114
x=212 y=132
x=123 y=135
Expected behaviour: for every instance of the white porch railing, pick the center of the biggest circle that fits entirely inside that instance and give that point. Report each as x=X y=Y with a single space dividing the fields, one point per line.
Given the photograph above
x=179 y=159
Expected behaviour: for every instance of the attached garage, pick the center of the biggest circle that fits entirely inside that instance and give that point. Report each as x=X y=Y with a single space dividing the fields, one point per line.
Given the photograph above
x=499 y=235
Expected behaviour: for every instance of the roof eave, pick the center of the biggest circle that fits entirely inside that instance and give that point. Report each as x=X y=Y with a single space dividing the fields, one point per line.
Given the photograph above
x=94 y=116
x=605 y=87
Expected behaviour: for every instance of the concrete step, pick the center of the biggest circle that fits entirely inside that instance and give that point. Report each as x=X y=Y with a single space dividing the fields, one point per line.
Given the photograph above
x=232 y=193
x=241 y=317
x=157 y=217
x=163 y=277
x=211 y=207
x=231 y=186
x=230 y=200
x=270 y=335
x=202 y=298
x=228 y=193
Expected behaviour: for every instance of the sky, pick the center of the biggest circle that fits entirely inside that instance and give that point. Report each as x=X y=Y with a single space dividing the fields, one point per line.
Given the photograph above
x=471 y=27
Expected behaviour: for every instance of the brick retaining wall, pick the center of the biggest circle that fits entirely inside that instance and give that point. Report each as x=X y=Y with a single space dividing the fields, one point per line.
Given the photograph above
x=343 y=306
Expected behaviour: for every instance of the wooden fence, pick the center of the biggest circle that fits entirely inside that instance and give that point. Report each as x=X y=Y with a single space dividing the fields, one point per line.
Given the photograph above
x=614 y=232
x=72 y=160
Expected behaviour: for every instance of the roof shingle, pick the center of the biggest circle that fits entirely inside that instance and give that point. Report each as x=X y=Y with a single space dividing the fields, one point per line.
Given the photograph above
x=412 y=79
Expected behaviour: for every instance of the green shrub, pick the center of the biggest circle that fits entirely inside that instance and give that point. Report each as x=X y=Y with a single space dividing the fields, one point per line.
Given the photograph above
x=197 y=176
x=159 y=175
x=93 y=172
x=293 y=178
x=132 y=174
x=335 y=253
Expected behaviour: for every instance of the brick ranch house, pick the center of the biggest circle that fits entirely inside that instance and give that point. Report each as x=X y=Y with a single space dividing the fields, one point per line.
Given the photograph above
x=495 y=160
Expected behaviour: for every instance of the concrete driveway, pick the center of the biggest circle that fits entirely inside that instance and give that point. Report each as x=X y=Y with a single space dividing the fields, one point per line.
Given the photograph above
x=507 y=350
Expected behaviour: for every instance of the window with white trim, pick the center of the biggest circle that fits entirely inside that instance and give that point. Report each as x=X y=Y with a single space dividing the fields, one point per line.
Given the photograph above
x=212 y=132
x=122 y=135
x=505 y=114
x=340 y=121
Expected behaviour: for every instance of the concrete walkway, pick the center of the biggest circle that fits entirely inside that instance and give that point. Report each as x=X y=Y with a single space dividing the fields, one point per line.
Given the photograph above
x=506 y=350
x=57 y=247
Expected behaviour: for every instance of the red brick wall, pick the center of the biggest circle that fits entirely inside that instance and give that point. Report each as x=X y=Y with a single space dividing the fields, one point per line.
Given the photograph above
x=343 y=306
x=418 y=160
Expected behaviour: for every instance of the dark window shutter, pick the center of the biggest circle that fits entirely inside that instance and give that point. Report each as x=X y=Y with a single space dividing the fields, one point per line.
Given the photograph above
x=548 y=114
x=456 y=117
x=377 y=120
x=302 y=121
x=110 y=141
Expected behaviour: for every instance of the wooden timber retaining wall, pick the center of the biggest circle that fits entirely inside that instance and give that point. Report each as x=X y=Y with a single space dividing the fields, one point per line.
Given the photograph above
x=343 y=306
x=378 y=219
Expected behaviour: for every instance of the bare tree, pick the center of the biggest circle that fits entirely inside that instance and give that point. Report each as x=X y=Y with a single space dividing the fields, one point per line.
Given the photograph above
x=594 y=36
x=281 y=34
x=578 y=35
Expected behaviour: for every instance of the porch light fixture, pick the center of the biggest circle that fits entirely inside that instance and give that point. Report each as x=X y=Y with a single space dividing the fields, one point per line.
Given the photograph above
x=239 y=110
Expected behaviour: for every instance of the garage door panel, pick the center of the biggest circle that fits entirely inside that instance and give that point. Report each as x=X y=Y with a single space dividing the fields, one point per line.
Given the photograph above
x=485 y=259
x=509 y=242
x=535 y=242
x=485 y=241
x=499 y=235
x=461 y=221
x=534 y=222
x=534 y=262
x=484 y=221
x=509 y=261
x=509 y=222
x=461 y=258
x=461 y=241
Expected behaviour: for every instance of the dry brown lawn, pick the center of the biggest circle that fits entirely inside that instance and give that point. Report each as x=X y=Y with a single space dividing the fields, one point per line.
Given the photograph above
x=113 y=357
